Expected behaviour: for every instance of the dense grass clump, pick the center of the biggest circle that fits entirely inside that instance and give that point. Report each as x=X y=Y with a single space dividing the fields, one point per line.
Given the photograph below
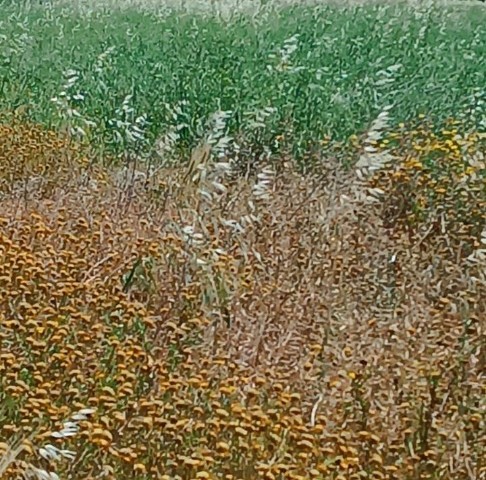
x=197 y=324
x=299 y=73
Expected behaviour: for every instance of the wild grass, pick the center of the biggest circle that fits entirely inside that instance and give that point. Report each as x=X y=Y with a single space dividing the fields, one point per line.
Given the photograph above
x=182 y=300
x=281 y=325
x=323 y=71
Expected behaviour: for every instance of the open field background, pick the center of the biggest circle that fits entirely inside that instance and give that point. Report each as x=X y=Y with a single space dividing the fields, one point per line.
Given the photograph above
x=308 y=73
x=241 y=243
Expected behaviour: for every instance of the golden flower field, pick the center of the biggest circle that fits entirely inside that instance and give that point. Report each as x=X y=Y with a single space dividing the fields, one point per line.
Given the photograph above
x=193 y=324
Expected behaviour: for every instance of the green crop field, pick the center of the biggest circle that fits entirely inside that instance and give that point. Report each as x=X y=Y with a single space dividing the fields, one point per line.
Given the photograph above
x=308 y=73
x=242 y=240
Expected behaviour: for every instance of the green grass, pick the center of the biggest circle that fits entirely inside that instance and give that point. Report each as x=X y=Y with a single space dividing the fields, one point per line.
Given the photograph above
x=348 y=64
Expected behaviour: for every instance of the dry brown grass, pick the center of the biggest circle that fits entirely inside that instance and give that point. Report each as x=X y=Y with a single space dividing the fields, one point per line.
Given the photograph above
x=298 y=329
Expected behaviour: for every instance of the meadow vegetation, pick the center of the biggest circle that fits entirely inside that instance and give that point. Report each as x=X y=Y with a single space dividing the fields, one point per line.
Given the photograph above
x=242 y=243
x=306 y=73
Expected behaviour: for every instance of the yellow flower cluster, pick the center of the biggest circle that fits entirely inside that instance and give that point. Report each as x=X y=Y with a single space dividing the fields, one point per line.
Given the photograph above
x=294 y=350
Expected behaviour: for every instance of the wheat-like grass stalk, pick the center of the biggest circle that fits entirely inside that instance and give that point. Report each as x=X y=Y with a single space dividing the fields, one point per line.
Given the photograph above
x=11 y=453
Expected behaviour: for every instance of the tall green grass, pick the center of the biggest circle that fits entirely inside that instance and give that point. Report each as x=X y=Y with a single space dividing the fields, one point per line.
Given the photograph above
x=305 y=72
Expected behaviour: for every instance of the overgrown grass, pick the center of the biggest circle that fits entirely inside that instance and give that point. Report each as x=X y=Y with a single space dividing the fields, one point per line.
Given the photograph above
x=323 y=70
x=233 y=316
x=211 y=326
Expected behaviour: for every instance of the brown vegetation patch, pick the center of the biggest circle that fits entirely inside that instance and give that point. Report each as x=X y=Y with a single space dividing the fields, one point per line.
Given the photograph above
x=277 y=328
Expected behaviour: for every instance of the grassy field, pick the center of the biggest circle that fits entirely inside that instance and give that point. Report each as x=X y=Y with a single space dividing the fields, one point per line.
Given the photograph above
x=242 y=241
x=308 y=73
